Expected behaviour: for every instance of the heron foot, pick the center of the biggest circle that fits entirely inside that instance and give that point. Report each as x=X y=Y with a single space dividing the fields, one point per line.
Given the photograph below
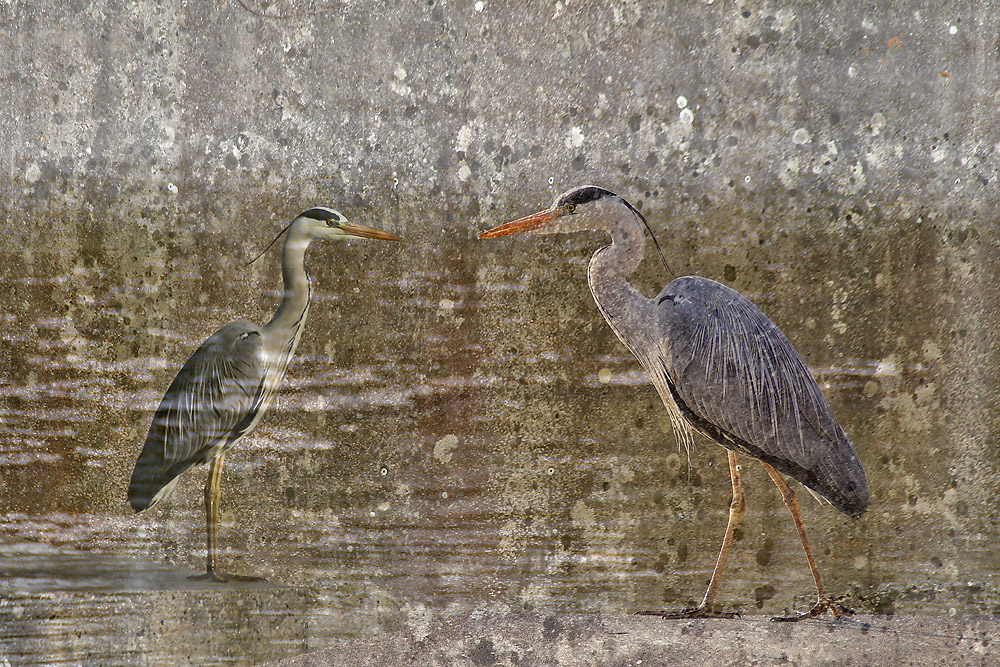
x=224 y=577
x=821 y=605
x=692 y=612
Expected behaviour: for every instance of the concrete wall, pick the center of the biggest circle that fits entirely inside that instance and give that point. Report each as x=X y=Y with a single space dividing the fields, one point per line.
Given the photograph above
x=460 y=424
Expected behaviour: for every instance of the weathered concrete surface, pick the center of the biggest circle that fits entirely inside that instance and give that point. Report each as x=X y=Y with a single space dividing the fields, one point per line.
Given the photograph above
x=460 y=425
x=604 y=640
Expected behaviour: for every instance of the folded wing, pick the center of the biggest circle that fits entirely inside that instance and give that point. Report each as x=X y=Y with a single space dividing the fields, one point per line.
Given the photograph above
x=210 y=405
x=738 y=380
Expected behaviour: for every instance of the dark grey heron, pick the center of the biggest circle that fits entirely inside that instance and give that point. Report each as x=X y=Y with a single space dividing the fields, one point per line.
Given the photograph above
x=222 y=391
x=721 y=368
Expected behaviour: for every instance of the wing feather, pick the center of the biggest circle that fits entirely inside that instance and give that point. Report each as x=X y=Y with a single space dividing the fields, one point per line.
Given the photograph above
x=740 y=381
x=207 y=408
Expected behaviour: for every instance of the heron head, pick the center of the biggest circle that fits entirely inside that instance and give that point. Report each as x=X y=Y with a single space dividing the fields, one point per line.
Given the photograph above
x=587 y=207
x=325 y=223
x=321 y=222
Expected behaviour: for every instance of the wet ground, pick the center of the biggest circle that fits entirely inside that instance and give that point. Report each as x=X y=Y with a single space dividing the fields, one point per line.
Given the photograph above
x=64 y=606
x=499 y=451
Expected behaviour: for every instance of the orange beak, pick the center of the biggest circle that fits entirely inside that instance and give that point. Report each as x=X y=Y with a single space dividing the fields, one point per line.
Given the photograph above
x=352 y=229
x=525 y=224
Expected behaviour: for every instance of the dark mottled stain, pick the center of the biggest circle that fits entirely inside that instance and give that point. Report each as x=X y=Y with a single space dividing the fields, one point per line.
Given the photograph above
x=660 y=566
x=765 y=552
x=885 y=604
x=763 y=593
x=484 y=653
x=551 y=628
x=770 y=36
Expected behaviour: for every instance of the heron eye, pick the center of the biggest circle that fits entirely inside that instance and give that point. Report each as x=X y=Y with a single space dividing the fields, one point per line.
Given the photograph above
x=571 y=208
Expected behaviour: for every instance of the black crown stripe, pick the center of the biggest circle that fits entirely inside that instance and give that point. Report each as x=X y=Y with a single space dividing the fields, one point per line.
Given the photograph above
x=319 y=213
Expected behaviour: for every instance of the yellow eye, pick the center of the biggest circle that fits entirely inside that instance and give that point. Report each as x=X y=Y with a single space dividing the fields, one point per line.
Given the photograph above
x=570 y=208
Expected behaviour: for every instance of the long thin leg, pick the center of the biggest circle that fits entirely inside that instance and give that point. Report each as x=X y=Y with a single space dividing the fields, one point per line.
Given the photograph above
x=213 y=487
x=213 y=498
x=736 y=510
x=792 y=503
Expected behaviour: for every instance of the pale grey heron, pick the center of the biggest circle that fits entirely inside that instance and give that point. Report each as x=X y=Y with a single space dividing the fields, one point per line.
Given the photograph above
x=721 y=368
x=222 y=391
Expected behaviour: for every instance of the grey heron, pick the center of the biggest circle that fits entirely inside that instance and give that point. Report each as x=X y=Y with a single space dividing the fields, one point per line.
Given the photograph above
x=220 y=394
x=721 y=368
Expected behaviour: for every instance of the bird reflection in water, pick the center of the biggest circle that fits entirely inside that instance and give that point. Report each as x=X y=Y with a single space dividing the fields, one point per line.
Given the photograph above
x=220 y=394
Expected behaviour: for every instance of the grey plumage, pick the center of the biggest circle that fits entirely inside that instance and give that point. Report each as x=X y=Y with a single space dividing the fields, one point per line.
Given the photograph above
x=221 y=392
x=739 y=381
x=212 y=403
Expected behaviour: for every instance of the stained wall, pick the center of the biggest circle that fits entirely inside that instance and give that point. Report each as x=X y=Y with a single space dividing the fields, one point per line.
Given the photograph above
x=460 y=427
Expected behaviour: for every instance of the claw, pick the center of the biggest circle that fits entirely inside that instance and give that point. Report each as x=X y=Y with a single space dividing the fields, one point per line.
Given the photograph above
x=691 y=612
x=224 y=577
x=821 y=605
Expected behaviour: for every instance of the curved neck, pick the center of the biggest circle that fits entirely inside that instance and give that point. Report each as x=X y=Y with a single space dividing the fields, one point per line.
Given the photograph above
x=291 y=314
x=611 y=265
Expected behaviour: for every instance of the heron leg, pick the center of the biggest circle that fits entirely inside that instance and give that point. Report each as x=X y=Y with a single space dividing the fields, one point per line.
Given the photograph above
x=213 y=488
x=213 y=499
x=736 y=510
x=824 y=602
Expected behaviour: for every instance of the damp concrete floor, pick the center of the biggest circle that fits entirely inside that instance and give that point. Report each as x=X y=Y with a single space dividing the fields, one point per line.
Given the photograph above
x=60 y=606
x=582 y=640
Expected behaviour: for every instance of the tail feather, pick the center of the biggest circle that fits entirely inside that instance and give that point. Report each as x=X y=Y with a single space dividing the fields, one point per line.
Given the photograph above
x=150 y=484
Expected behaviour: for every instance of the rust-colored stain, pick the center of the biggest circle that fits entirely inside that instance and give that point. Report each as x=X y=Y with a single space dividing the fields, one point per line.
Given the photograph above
x=946 y=75
x=895 y=43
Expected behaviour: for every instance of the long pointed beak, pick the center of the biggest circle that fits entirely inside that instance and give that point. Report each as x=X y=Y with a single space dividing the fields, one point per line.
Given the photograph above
x=352 y=229
x=525 y=224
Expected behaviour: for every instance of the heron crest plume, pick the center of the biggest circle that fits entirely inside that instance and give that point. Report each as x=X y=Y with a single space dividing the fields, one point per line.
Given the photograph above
x=652 y=236
x=273 y=241
x=589 y=193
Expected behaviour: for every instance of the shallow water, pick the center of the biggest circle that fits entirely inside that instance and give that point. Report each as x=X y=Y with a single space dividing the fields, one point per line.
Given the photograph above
x=471 y=437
